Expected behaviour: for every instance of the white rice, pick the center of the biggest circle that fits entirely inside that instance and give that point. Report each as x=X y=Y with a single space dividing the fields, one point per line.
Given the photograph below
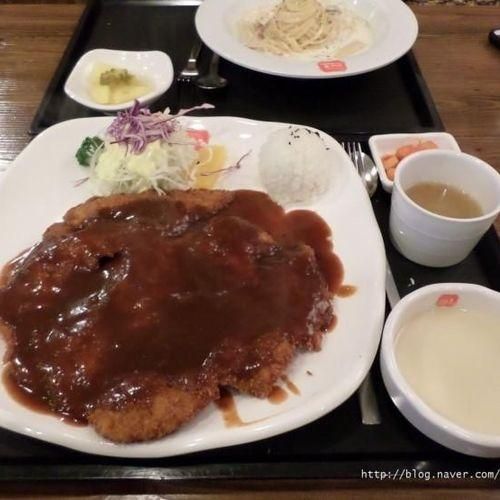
x=295 y=166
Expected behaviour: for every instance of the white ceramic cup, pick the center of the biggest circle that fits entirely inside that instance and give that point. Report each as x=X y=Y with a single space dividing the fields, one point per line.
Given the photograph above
x=435 y=240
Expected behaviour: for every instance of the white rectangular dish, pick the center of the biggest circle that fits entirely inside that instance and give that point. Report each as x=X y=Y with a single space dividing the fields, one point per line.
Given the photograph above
x=381 y=145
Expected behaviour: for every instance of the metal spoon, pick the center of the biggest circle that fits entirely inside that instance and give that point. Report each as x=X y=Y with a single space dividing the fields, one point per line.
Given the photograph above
x=369 y=174
x=212 y=80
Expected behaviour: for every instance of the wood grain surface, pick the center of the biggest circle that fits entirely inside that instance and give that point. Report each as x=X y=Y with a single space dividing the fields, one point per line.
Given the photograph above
x=32 y=40
x=461 y=69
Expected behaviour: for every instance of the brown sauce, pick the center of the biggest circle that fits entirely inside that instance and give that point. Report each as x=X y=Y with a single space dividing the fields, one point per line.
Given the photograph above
x=227 y=406
x=6 y=271
x=278 y=395
x=290 y=385
x=346 y=291
x=153 y=290
x=21 y=396
x=333 y=323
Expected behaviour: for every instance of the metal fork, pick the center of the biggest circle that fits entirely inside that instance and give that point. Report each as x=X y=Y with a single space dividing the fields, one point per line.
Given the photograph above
x=190 y=71
x=367 y=399
x=364 y=165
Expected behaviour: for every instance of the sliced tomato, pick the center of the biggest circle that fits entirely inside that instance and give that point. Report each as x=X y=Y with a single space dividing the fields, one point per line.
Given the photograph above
x=201 y=136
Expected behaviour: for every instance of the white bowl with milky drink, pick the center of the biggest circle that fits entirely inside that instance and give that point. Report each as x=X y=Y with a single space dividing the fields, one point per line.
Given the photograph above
x=439 y=361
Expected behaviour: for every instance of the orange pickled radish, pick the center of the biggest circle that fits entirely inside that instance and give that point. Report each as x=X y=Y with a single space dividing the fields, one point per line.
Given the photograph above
x=390 y=161
x=391 y=172
x=404 y=151
x=426 y=145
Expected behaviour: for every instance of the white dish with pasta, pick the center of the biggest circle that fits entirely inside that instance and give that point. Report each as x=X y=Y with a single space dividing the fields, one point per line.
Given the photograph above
x=305 y=29
x=308 y=38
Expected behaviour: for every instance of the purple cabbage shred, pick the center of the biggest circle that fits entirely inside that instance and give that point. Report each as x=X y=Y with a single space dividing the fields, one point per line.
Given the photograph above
x=137 y=127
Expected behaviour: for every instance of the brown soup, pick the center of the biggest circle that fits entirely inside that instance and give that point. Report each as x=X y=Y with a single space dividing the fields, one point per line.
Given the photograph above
x=445 y=200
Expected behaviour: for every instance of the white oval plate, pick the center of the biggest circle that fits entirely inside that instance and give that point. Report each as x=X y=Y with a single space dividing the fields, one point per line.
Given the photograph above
x=40 y=187
x=394 y=25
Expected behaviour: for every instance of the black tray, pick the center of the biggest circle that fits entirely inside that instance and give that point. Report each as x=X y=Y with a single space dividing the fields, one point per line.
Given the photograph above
x=391 y=99
x=338 y=445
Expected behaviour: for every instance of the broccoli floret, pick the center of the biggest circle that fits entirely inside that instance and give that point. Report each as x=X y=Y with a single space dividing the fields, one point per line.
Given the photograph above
x=88 y=149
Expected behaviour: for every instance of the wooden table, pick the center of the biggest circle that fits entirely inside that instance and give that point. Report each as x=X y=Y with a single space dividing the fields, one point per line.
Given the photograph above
x=460 y=67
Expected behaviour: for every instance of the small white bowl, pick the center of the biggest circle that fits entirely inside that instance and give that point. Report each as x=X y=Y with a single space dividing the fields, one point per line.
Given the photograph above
x=155 y=66
x=434 y=240
x=416 y=411
x=381 y=145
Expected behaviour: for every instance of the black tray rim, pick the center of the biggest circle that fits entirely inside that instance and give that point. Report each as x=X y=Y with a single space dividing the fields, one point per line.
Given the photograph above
x=92 y=9
x=400 y=469
x=297 y=470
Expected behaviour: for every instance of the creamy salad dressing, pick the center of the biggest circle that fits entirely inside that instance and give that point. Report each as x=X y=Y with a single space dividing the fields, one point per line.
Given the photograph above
x=451 y=358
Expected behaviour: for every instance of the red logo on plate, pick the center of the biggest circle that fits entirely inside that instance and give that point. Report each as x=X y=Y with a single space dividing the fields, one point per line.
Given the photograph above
x=331 y=66
x=447 y=300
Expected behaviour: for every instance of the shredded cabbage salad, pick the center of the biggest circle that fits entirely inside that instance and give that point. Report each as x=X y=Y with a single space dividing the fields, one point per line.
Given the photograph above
x=142 y=150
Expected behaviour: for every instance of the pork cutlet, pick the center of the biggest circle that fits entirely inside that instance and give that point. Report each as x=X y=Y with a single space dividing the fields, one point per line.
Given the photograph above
x=133 y=312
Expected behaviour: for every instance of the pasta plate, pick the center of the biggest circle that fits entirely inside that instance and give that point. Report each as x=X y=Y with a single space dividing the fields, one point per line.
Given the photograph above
x=393 y=25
